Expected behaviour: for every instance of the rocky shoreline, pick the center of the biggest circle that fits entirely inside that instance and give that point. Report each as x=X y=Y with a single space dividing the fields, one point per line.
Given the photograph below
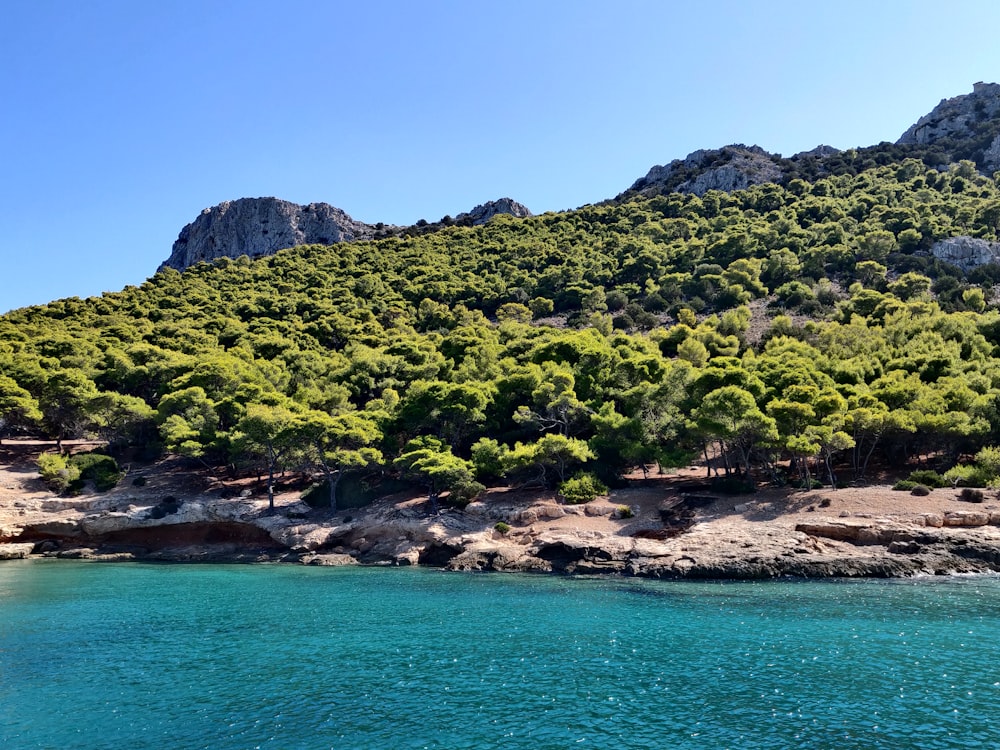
x=654 y=530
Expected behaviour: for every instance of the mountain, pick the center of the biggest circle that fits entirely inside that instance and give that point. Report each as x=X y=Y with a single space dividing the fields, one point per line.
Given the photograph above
x=842 y=316
x=261 y=226
x=965 y=127
x=257 y=227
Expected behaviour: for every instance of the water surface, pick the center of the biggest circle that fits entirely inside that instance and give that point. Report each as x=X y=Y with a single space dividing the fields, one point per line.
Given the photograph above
x=226 y=657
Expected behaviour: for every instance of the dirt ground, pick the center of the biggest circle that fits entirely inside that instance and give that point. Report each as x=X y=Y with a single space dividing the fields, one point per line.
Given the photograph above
x=23 y=494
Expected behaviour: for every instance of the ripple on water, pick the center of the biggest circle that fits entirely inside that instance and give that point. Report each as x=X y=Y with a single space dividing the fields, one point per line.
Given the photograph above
x=285 y=657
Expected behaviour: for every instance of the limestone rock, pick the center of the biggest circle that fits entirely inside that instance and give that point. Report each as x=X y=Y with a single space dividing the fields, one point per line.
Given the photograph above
x=955 y=117
x=966 y=252
x=16 y=551
x=729 y=168
x=486 y=211
x=261 y=226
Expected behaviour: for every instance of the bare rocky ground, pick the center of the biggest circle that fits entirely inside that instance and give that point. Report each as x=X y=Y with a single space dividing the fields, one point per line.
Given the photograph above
x=663 y=527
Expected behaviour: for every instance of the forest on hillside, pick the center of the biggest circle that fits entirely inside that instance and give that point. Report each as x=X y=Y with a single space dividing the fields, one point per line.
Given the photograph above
x=796 y=332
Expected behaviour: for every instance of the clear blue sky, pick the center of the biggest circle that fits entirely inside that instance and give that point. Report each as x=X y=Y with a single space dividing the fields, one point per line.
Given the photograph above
x=121 y=120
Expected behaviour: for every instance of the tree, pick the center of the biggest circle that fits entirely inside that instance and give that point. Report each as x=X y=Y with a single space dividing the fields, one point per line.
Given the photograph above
x=552 y=452
x=731 y=416
x=339 y=444
x=188 y=422
x=17 y=407
x=67 y=404
x=430 y=462
x=271 y=431
x=830 y=440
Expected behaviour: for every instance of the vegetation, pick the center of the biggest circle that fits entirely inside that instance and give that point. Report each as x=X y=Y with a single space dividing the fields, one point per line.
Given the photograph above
x=793 y=333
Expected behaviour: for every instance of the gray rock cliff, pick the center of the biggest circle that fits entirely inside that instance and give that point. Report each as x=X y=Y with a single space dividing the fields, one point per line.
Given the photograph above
x=257 y=227
x=966 y=126
x=486 y=211
x=261 y=226
x=730 y=168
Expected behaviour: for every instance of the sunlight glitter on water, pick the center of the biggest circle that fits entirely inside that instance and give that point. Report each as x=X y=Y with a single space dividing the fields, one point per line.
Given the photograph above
x=282 y=657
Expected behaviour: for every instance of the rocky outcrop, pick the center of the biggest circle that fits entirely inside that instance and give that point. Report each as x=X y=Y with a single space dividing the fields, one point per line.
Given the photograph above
x=261 y=226
x=966 y=252
x=257 y=227
x=729 y=168
x=966 y=126
x=486 y=211
x=955 y=117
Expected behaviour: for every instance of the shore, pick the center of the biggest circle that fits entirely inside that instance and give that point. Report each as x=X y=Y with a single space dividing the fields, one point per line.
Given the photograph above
x=655 y=527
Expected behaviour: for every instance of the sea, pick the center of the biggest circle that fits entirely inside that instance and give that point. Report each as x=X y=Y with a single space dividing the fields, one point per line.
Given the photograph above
x=226 y=657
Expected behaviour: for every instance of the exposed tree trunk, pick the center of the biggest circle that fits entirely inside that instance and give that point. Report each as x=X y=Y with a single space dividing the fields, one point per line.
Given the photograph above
x=829 y=470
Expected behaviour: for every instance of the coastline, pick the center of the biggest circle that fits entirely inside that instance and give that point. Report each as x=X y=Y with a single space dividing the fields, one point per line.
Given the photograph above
x=666 y=531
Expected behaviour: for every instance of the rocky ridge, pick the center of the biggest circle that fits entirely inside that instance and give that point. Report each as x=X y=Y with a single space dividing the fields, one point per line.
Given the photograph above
x=963 y=127
x=730 y=168
x=261 y=226
x=966 y=126
x=486 y=211
x=257 y=227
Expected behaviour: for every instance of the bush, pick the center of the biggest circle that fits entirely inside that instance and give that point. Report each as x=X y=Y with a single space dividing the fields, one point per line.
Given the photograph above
x=970 y=495
x=920 y=489
x=503 y=528
x=904 y=485
x=965 y=475
x=462 y=494
x=57 y=472
x=928 y=477
x=98 y=468
x=582 y=489
x=625 y=511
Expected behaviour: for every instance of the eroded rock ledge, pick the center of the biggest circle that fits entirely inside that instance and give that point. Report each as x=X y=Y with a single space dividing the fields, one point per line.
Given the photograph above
x=540 y=536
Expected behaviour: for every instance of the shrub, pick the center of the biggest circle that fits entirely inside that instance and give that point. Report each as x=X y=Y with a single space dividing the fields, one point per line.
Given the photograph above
x=57 y=472
x=965 y=475
x=503 y=528
x=814 y=484
x=904 y=485
x=582 y=489
x=920 y=489
x=988 y=460
x=970 y=495
x=625 y=511
x=98 y=468
x=462 y=494
x=928 y=477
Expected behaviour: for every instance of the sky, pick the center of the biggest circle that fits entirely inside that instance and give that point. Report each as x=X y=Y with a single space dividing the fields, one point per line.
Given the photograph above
x=121 y=120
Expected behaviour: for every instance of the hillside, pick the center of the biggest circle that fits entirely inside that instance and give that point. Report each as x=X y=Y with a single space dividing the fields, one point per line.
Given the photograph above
x=788 y=333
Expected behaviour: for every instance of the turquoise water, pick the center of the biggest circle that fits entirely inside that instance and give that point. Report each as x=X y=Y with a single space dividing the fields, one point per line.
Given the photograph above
x=226 y=657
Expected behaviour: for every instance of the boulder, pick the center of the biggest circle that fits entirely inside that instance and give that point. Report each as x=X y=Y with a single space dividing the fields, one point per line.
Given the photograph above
x=16 y=550
x=966 y=252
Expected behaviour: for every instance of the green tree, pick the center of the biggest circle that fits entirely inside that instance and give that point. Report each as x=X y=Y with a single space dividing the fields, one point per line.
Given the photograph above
x=18 y=409
x=339 y=444
x=67 y=404
x=429 y=461
x=273 y=432
x=730 y=415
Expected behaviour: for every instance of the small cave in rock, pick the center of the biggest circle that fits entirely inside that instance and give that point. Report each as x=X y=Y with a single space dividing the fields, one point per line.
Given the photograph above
x=437 y=555
x=560 y=555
